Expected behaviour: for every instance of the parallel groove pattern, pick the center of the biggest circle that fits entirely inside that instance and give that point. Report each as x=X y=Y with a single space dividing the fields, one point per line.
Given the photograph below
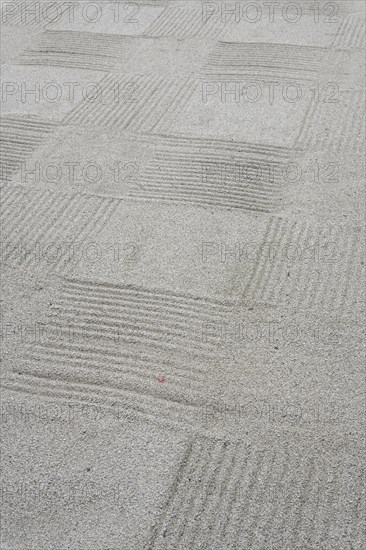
x=183 y=23
x=96 y=358
x=222 y=495
x=152 y=106
x=264 y=60
x=205 y=172
x=307 y=268
x=212 y=145
x=144 y=404
x=19 y=137
x=351 y=33
x=70 y=370
x=337 y=128
x=235 y=496
x=157 y=319
x=82 y=50
x=49 y=218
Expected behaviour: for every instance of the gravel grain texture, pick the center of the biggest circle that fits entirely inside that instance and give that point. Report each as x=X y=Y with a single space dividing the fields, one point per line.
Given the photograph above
x=183 y=298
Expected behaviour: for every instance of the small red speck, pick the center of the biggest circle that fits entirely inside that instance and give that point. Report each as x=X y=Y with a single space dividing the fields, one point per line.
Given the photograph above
x=161 y=378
